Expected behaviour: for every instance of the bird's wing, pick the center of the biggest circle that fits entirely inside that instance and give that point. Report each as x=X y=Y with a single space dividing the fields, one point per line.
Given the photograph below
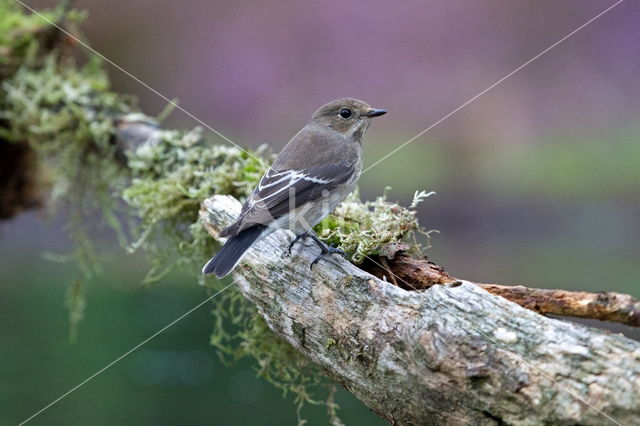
x=279 y=191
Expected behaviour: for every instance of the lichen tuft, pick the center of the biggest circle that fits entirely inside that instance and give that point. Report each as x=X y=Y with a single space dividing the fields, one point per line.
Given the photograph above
x=364 y=229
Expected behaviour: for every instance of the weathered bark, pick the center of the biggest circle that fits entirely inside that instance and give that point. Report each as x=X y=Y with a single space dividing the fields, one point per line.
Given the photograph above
x=444 y=355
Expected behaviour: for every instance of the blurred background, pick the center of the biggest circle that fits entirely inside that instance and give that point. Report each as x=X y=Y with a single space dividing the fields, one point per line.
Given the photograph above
x=538 y=180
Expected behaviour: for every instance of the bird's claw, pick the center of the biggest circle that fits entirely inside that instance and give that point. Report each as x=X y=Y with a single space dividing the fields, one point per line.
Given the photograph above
x=334 y=250
x=325 y=251
x=315 y=261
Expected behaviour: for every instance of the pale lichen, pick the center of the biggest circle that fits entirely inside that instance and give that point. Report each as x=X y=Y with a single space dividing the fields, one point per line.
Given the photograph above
x=170 y=178
x=364 y=229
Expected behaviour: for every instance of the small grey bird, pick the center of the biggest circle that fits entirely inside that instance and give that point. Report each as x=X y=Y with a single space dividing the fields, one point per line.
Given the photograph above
x=313 y=173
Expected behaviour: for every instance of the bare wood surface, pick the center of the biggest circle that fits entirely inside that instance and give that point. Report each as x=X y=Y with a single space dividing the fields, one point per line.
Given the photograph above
x=444 y=355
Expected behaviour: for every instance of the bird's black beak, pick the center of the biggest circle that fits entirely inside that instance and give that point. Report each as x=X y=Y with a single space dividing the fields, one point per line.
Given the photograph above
x=376 y=112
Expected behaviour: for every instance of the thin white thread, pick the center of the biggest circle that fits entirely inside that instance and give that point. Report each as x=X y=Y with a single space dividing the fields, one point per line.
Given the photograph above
x=97 y=373
x=493 y=85
x=118 y=67
x=518 y=357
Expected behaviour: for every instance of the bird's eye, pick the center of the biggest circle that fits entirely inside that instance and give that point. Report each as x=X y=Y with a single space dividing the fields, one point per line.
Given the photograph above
x=345 y=113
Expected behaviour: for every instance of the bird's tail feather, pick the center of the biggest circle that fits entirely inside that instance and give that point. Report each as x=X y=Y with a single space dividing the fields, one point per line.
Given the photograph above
x=232 y=251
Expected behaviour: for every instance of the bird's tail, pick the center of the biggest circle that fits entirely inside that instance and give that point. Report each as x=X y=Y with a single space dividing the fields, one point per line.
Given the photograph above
x=232 y=251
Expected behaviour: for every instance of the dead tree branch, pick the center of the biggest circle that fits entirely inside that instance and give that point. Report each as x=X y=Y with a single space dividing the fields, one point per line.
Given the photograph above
x=444 y=355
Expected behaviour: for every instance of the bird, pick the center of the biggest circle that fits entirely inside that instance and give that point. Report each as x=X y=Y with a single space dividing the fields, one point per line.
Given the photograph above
x=315 y=171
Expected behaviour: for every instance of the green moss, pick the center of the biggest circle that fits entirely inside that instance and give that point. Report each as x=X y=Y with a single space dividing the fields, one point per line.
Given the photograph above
x=18 y=32
x=170 y=179
x=365 y=228
x=24 y=37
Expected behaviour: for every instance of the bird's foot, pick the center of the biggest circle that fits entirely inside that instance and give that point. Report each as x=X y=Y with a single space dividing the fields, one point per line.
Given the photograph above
x=325 y=249
x=298 y=238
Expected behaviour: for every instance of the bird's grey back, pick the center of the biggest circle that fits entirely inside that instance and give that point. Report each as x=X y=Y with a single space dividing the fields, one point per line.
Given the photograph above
x=317 y=144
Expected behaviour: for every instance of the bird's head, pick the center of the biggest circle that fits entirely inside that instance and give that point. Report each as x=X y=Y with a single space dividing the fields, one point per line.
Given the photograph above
x=347 y=116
